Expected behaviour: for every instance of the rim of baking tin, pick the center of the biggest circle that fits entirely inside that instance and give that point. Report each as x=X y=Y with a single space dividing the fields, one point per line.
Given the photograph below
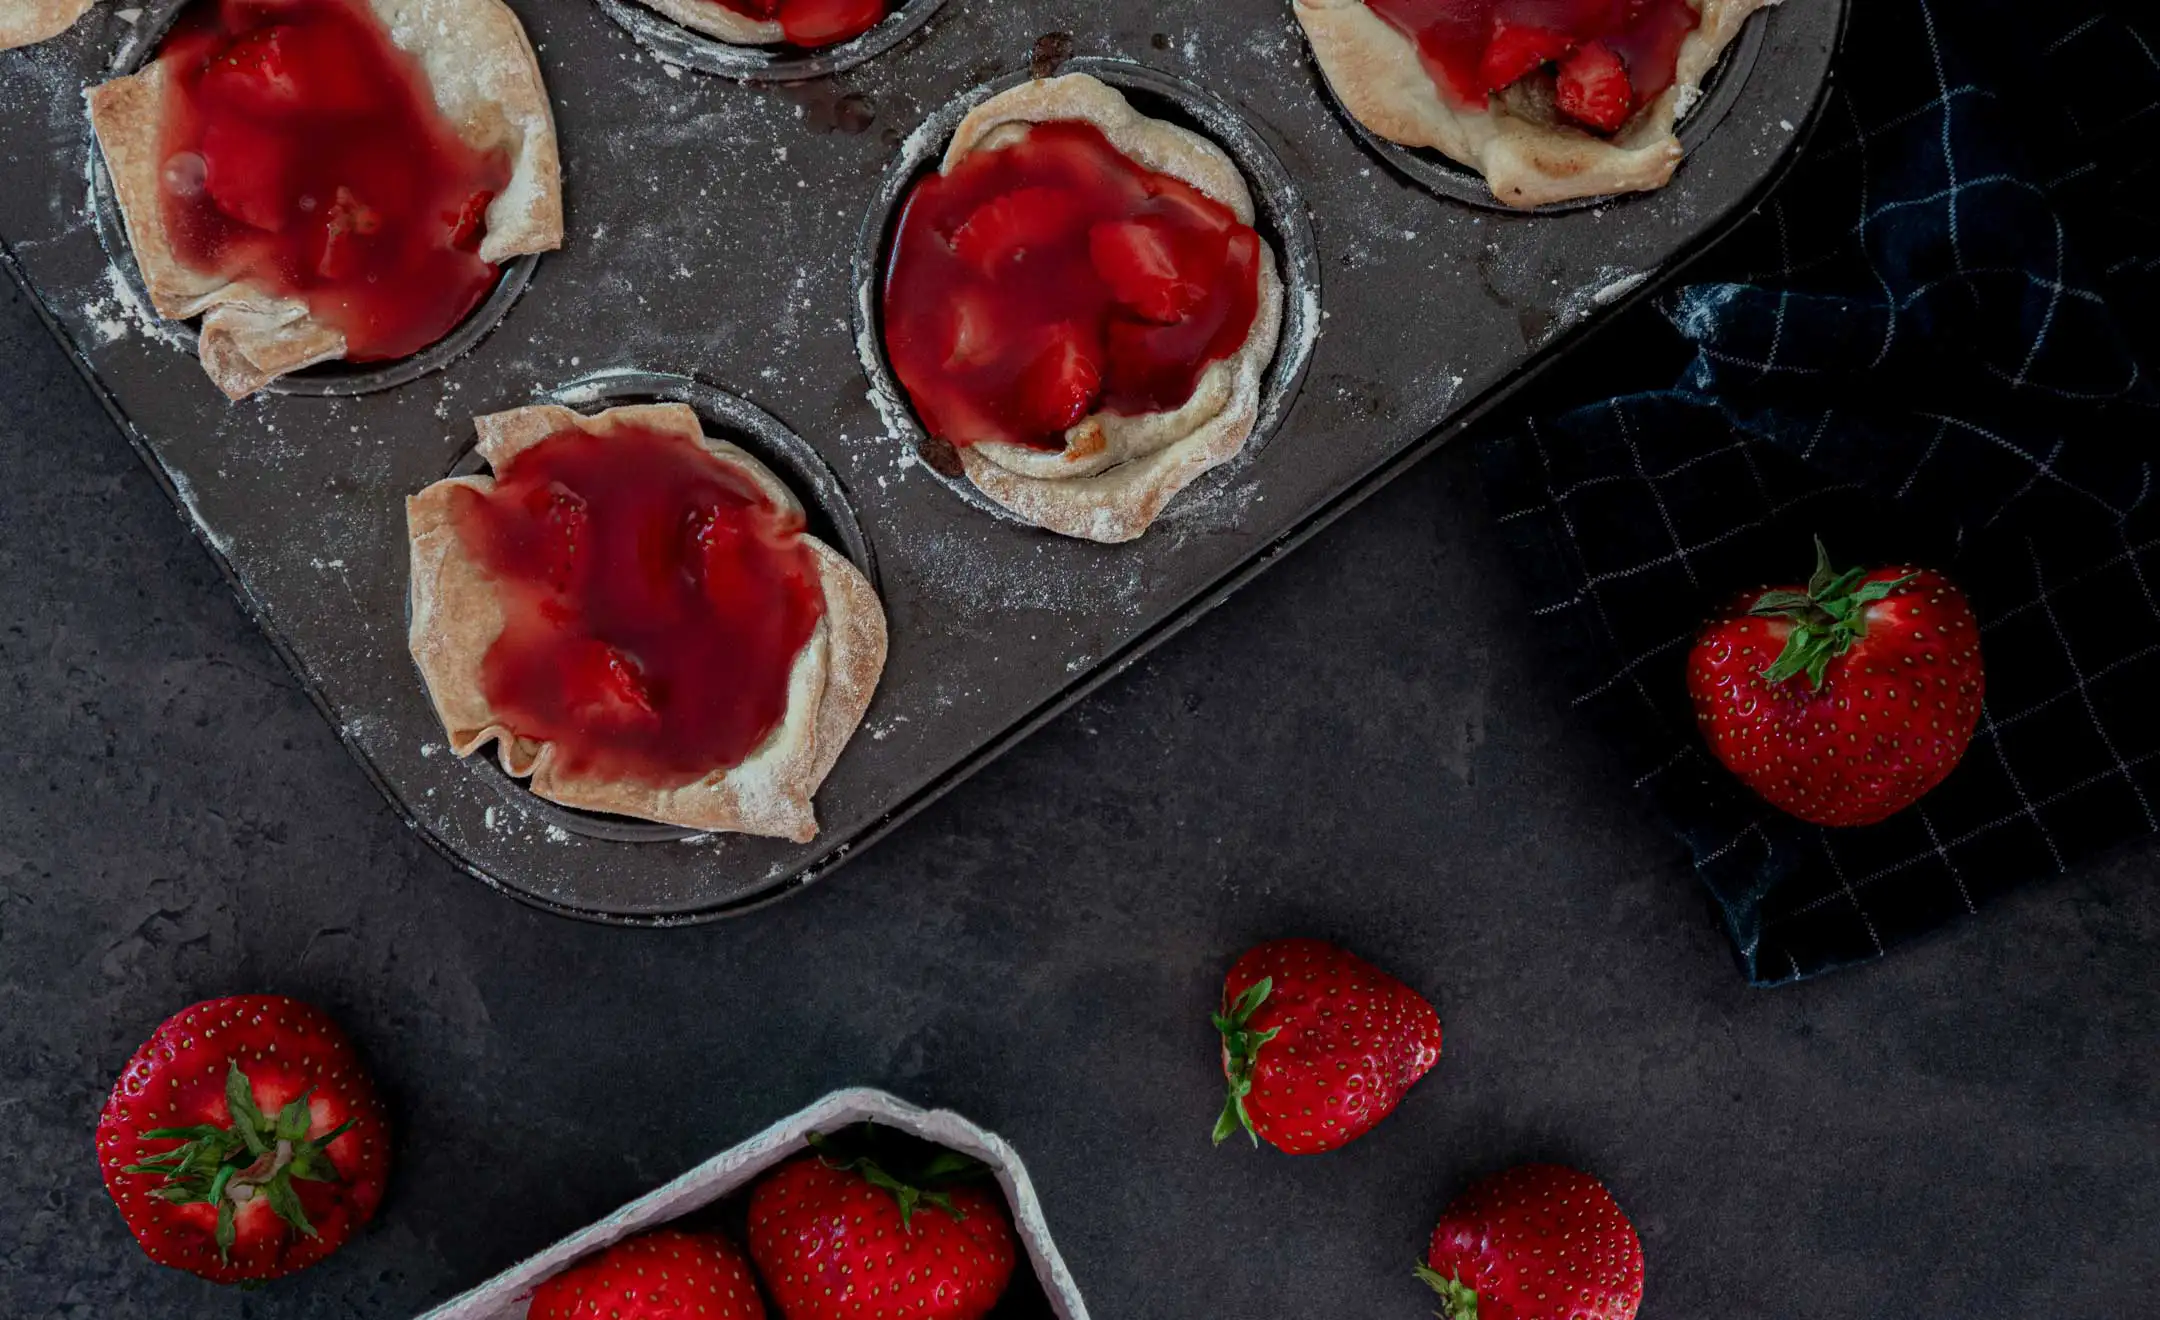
x=677 y=44
x=1281 y=218
x=1448 y=178
x=829 y=513
x=338 y=379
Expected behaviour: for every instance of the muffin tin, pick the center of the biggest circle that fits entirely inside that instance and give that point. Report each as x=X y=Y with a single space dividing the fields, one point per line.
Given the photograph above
x=722 y=234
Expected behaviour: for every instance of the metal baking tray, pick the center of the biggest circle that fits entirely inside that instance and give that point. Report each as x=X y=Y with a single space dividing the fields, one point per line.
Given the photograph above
x=723 y=236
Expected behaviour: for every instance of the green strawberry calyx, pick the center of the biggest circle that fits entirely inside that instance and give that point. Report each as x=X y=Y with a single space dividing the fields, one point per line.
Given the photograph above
x=1826 y=619
x=259 y=1156
x=1241 y=1052
x=922 y=1186
x=1458 y=1300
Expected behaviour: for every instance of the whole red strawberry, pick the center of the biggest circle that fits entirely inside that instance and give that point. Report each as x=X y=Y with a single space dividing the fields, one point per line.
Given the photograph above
x=848 y=1241
x=244 y=1140
x=667 y=1274
x=1319 y=1045
x=1535 y=1242
x=1844 y=701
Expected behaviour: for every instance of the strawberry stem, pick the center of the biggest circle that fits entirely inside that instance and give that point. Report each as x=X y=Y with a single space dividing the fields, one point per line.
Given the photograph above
x=921 y=1187
x=1241 y=1051
x=229 y=1166
x=1458 y=1300
x=1826 y=619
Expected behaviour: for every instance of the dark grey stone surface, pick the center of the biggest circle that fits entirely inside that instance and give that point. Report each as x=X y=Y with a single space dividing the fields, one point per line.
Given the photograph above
x=1363 y=746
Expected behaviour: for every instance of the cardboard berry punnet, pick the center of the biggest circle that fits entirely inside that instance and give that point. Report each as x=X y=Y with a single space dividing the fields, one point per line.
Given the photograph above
x=1049 y=1295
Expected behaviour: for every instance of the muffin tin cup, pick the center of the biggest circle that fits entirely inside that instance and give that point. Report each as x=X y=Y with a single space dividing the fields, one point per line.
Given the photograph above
x=338 y=379
x=1281 y=218
x=691 y=49
x=829 y=516
x=1042 y=1287
x=1446 y=177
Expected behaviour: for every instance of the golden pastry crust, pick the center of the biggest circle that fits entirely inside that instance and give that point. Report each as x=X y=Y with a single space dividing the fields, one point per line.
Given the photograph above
x=27 y=22
x=486 y=81
x=457 y=615
x=1116 y=473
x=1375 y=72
x=720 y=22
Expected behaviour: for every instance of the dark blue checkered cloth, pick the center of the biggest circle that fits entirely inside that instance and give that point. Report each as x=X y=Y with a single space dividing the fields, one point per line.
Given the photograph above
x=1937 y=343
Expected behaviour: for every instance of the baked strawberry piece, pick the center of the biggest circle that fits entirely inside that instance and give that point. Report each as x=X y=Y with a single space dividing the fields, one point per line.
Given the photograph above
x=288 y=170
x=1603 y=57
x=636 y=615
x=1049 y=299
x=244 y=1141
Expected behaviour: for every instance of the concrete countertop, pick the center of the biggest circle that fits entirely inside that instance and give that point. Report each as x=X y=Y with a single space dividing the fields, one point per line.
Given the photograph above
x=1363 y=746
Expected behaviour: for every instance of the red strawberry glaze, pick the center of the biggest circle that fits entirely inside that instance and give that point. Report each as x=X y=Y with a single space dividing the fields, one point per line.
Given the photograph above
x=1476 y=47
x=304 y=153
x=654 y=603
x=813 y=22
x=1054 y=277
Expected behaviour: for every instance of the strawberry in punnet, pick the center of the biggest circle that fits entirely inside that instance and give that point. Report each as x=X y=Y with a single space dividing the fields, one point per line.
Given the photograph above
x=244 y=1140
x=667 y=1274
x=1844 y=701
x=1594 y=89
x=845 y=1240
x=1535 y=1242
x=1319 y=1045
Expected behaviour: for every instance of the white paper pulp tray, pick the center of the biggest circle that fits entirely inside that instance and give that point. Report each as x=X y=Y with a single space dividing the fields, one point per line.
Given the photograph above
x=504 y=1296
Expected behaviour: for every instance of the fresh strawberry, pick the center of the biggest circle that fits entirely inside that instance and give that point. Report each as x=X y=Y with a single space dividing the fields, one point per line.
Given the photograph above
x=824 y=22
x=848 y=1241
x=244 y=1140
x=245 y=169
x=1003 y=229
x=1535 y=1242
x=1844 y=701
x=666 y=1274
x=1594 y=89
x=1145 y=261
x=1061 y=385
x=1319 y=1045
x=1517 y=50
x=469 y=225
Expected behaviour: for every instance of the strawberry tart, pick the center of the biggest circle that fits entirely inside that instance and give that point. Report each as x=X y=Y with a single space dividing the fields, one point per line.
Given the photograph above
x=326 y=179
x=1078 y=303
x=633 y=614
x=1550 y=100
